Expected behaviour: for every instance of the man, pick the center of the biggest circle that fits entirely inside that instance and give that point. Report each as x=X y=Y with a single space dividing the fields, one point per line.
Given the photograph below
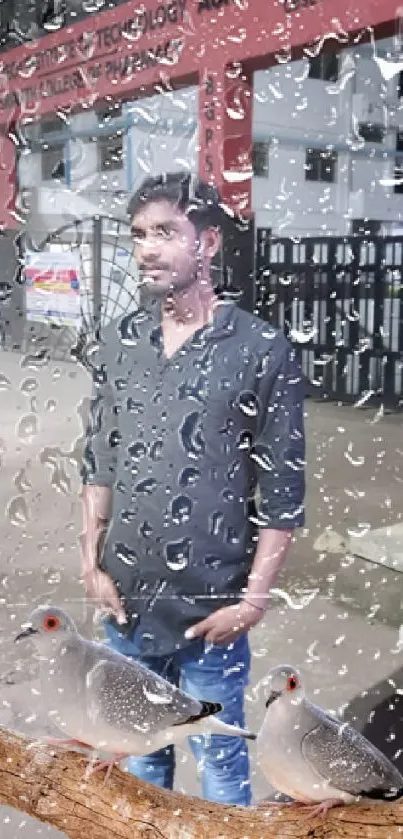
x=197 y=405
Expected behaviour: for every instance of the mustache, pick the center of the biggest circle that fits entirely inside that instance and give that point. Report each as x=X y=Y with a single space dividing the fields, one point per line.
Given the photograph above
x=154 y=266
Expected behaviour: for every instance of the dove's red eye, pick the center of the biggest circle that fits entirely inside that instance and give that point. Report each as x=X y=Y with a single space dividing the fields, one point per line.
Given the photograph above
x=51 y=623
x=292 y=683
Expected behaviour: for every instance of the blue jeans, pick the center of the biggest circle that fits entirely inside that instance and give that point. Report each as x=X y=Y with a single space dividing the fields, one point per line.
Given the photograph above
x=214 y=673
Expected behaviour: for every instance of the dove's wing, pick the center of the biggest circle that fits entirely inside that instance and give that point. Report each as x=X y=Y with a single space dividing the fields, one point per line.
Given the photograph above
x=130 y=698
x=341 y=755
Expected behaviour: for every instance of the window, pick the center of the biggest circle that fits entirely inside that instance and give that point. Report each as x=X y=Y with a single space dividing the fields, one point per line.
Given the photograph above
x=110 y=146
x=325 y=67
x=365 y=227
x=398 y=186
x=110 y=151
x=52 y=153
x=260 y=159
x=320 y=165
x=371 y=133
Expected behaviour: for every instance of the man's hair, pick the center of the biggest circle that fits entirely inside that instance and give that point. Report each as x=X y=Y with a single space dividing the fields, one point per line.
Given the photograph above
x=193 y=197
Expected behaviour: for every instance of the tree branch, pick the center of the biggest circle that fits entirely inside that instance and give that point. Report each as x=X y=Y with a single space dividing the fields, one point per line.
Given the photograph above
x=49 y=785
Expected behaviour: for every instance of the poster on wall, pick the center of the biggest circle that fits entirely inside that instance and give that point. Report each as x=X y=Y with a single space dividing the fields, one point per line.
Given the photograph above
x=52 y=283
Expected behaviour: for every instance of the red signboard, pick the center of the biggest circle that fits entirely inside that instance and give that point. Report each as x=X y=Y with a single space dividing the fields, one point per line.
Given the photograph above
x=131 y=51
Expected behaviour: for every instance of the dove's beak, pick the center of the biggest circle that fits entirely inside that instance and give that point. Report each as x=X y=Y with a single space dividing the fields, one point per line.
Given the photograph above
x=26 y=633
x=272 y=697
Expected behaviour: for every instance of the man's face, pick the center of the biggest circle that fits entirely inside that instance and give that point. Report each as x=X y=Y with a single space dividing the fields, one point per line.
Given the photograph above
x=166 y=247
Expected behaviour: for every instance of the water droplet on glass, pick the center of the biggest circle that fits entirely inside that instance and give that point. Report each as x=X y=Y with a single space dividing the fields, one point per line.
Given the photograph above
x=60 y=480
x=27 y=427
x=248 y=403
x=191 y=435
x=52 y=576
x=50 y=405
x=35 y=361
x=146 y=487
x=177 y=554
x=17 y=511
x=125 y=554
x=181 y=509
x=137 y=450
x=145 y=529
x=5 y=383
x=216 y=522
x=189 y=476
x=21 y=481
x=29 y=385
x=211 y=561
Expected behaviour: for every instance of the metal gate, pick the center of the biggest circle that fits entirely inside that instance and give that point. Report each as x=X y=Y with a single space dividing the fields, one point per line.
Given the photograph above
x=340 y=302
x=108 y=284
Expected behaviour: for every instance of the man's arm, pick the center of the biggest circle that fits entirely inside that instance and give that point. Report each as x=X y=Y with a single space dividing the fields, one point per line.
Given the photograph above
x=98 y=475
x=271 y=552
x=279 y=454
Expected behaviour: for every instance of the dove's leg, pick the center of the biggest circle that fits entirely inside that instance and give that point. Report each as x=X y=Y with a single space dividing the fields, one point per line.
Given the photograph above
x=321 y=810
x=99 y=765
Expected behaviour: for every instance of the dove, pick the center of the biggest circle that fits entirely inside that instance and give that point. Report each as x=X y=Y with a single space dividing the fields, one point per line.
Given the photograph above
x=315 y=758
x=103 y=701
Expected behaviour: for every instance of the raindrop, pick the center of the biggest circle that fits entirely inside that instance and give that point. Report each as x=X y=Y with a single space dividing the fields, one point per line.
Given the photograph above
x=127 y=516
x=35 y=361
x=28 y=385
x=244 y=441
x=52 y=577
x=17 y=511
x=156 y=450
x=358 y=461
x=262 y=455
x=177 y=554
x=213 y=562
x=147 y=486
x=5 y=383
x=125 y=554
x=248 y=403
x=50 y=405
x=134 y=407
x=128 y=330
x=145 y=529
x=191 y=436
x=216 y=521
x=189 y=476
x=137 y=450
x=181 y=509
x=27 y=427
x=21 y=481
x=60 y=480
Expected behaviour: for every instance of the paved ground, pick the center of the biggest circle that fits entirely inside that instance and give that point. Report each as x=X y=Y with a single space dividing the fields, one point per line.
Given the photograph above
x=335 y=616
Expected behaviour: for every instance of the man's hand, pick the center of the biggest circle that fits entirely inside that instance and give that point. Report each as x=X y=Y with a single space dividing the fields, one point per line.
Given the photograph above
x=226 y=624
x=100 y=587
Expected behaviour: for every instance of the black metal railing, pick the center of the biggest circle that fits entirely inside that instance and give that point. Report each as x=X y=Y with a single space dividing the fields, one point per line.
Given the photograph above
x=340 y=302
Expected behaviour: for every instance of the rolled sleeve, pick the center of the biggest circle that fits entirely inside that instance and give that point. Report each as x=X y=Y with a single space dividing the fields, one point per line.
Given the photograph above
x=101 y=437
x=278 y=451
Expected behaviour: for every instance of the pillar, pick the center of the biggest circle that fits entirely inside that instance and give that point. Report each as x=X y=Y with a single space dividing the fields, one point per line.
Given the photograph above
x=225 y=160
x=12 y=307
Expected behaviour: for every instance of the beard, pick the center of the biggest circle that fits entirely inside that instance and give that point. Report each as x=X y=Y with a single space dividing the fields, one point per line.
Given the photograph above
x=167 y=283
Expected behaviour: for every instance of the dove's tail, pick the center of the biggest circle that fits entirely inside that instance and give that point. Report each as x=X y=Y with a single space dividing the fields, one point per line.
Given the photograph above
x=207 y=723
x=217 y=726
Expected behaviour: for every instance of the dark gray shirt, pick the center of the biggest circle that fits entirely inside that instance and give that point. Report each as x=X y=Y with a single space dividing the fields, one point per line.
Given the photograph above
x=185 y=442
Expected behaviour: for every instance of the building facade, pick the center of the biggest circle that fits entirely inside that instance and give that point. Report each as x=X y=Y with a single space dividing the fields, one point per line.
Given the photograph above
x=327 y=134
